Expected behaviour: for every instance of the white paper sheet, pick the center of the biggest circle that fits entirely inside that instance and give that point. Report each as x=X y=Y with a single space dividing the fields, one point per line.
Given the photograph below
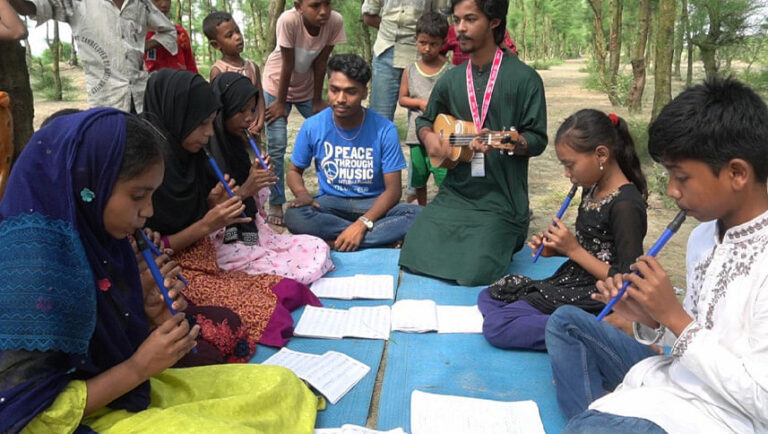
x=368 y=322
x=447 y=414
x=356 y=429
x=414 y=316
x=333 y=374
x=459 y=319
x=359 y=286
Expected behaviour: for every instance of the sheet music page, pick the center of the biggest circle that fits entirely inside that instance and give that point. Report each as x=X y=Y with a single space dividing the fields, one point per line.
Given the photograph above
x=321 y=322
x=370 y=322
x=459 y=319
x=335 y=287
x=375 y=286
x=299 y=363
x=356 y=429
x=414 y=316
x=363 y=286
x=333 y=374
x=447 y=414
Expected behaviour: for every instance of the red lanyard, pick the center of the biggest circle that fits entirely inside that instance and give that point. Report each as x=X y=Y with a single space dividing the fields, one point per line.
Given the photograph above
x=477 y=117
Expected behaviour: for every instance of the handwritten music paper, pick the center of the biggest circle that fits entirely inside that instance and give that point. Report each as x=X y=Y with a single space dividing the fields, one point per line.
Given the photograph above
x=333 y=374
x=356 y=429
x=362 y=286
x=367 y=322
x=447 y=414
x=419 y=316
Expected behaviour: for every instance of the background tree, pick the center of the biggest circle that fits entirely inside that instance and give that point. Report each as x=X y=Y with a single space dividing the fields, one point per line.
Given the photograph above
x=14 y=79
x=718 y=24
x=635 y=98
x=665 y=48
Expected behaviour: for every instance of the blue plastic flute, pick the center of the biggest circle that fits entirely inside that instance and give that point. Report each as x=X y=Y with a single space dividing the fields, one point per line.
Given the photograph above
x=157 y=252
x=217 y=171
x=560 y=213
x=655 y=249
x=146 y=251
x=258 y=155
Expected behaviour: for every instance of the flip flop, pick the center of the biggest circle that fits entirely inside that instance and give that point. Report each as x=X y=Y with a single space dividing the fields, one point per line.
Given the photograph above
x=275 y=219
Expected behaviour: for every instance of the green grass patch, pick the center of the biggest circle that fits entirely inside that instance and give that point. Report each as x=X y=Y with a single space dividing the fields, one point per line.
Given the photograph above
x=42 y=82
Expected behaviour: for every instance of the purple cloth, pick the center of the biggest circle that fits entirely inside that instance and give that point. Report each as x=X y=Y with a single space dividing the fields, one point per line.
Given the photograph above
x=512 y=325
x=291 y=295
x=58 y=190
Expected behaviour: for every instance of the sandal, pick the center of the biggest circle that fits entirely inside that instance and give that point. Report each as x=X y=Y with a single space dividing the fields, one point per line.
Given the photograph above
x=275 y=219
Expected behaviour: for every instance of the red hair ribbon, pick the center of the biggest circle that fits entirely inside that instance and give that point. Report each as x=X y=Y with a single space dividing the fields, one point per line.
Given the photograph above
x=614 y=119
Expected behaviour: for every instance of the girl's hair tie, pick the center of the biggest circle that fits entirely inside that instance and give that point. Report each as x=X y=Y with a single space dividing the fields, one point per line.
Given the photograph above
x=614 y=119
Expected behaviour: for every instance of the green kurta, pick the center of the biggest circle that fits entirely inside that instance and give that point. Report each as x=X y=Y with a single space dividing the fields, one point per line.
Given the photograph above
x=471 y=229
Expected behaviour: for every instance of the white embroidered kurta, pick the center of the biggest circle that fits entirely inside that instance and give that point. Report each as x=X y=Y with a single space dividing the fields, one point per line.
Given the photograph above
x=716 y=379
x=111 y=45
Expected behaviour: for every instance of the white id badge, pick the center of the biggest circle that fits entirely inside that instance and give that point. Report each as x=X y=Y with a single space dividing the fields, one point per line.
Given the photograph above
x=478 y=165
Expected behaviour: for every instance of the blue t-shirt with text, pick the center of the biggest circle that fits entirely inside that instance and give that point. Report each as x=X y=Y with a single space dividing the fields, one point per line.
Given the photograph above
x=349 y=168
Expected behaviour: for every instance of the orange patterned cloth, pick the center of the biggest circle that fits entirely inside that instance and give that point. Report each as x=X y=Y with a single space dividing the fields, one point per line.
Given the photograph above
x=6 y=140
x=249 y=296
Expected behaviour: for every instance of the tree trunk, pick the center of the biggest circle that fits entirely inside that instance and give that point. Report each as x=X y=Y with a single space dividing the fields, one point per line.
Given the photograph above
x=367 y=44
x=535 y=46
x=523 y=48
x=679 y=39
x=14 y=79
x=55 y=57
x=274 y=10
x=599 y=40
x=635 y=98
x=73 y=52
x=614 y=51
x=708 y=56
x=179 y=10
x=689 y=45
x=665 y=50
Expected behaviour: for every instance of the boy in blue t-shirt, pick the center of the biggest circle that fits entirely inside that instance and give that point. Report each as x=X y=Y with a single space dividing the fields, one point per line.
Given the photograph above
x=358 y=160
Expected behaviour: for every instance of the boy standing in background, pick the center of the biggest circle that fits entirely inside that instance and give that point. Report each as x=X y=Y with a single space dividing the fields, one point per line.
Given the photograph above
x=294 y=75
x=158 y=58
x=224 y=34
x=418 y=80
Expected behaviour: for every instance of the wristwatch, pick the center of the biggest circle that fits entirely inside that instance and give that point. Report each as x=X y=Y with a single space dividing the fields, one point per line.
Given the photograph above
x=366 y=221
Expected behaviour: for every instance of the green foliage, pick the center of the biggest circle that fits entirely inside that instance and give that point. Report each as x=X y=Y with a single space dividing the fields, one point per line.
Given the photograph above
x=758 y=80
x=42 y=81
x=658 y=179
x=622 y=87
x=66 y=53
x=639 y=130
x=543 y=64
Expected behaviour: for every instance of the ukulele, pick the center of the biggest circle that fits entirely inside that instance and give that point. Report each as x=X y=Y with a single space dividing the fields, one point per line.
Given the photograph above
x=459 y=134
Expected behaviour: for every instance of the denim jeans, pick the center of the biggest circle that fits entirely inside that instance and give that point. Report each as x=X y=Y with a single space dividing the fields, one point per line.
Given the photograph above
x=277 y=141
x=595 y=422
x=335 y=214
x=588 y=357
x=385 y=86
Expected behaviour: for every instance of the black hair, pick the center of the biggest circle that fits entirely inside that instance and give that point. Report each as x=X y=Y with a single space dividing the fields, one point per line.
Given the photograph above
x=713 y=122
x=587 y=129
x=432 y=24
x=62 y=112
x=142 y=148
x=491 y=9
x=351 y=65
x=212 y=22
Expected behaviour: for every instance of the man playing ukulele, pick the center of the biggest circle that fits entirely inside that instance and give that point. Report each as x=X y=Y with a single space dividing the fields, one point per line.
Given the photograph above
x=479 y=218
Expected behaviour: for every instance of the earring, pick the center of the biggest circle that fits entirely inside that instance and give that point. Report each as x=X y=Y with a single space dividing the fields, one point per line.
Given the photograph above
x=601 y=167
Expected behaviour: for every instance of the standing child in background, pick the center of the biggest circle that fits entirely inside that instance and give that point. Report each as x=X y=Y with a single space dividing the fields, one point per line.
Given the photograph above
x=598 y=154
x=418 y=80
x=294 y=75
x=11 y=26
x=224 y=34
x=158 y=58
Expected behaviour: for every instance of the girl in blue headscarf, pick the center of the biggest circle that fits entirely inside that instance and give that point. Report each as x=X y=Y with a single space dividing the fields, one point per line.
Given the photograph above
x=81 y=348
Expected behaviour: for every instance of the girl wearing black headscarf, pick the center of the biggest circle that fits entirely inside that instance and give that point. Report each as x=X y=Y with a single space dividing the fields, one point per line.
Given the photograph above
x=301 y=257
x=195 y=215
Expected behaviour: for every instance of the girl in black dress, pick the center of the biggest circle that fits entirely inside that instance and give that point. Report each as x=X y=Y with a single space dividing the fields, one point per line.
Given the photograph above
x=598 y=154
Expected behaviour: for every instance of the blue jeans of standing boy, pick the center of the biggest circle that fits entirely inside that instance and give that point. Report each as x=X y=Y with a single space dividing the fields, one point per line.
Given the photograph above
x=385 y=85
x=277 y=141
x=335 y=214
x=588 y=357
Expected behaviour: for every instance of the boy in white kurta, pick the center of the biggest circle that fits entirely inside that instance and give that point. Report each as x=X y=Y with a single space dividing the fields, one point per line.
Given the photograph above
x=713 y=141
